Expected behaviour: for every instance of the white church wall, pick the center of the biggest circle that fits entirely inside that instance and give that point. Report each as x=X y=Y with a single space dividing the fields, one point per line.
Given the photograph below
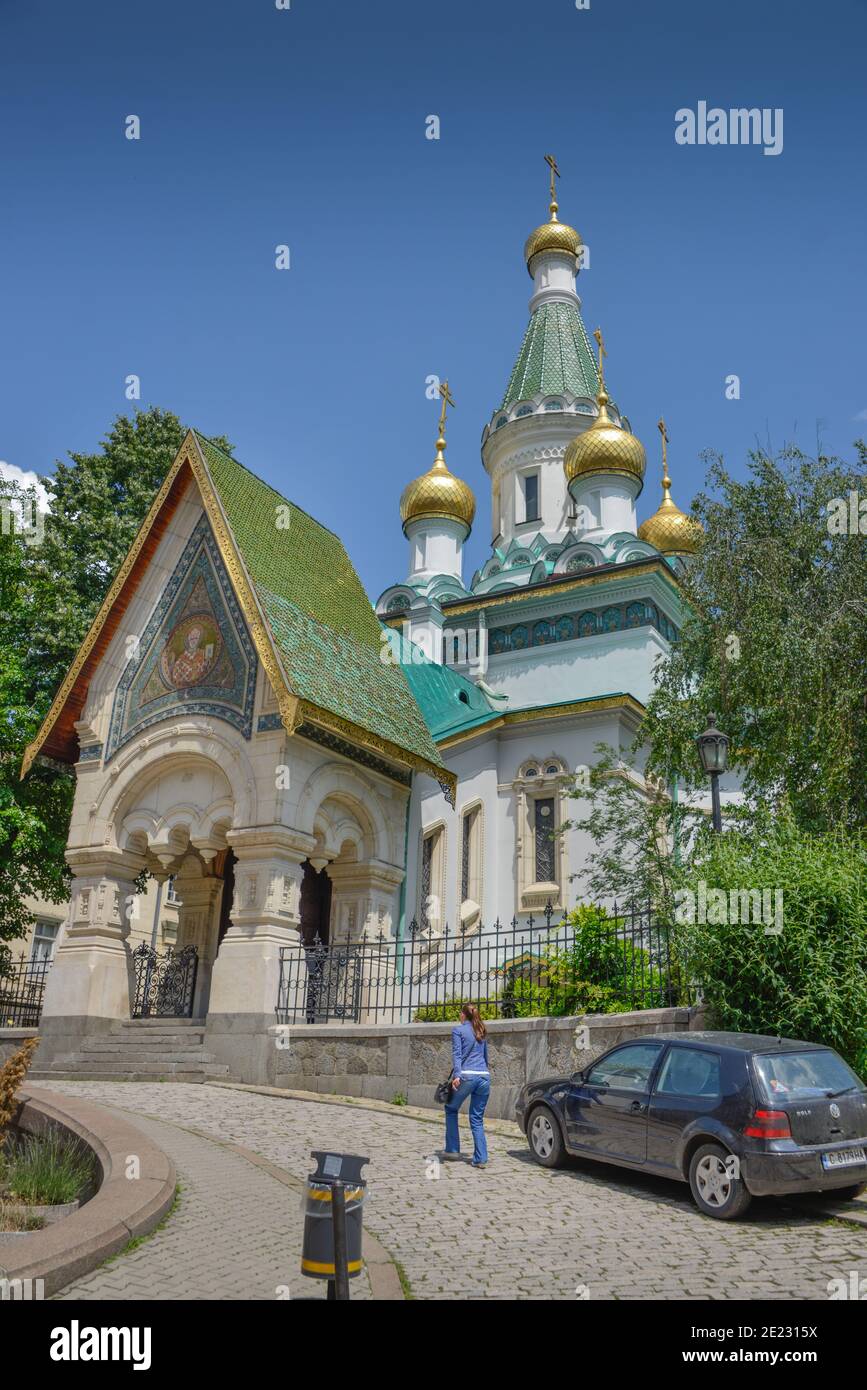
x=610 y=663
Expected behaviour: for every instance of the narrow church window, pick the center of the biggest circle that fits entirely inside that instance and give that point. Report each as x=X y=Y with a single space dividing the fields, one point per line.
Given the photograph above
x=471 y=865
x=544 y=826
x=426 y=866
x=531 y=497
x=430 y=913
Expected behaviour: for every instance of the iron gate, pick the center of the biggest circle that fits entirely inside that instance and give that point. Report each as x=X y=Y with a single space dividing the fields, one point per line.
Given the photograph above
x=164 y=985
x=333 y=983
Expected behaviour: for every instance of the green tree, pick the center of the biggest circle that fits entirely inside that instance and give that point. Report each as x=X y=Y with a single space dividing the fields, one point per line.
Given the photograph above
x=777 y=644
x=809 y=980
x=50 y=593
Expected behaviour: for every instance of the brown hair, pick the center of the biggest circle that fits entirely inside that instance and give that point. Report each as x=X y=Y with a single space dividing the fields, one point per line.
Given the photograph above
x=472 y=1016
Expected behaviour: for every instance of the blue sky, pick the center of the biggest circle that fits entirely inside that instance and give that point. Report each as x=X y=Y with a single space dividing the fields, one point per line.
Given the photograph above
x=307 y=127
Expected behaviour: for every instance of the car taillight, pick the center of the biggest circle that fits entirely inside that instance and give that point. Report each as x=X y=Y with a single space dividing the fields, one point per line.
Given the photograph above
x=769 y=1124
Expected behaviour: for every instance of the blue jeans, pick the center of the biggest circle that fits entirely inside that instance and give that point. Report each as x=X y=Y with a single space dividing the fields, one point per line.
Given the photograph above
x=478 y=1088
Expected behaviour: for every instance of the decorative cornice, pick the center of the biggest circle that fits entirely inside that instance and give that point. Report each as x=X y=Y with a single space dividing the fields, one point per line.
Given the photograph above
x=593 y=705
x=557 y=584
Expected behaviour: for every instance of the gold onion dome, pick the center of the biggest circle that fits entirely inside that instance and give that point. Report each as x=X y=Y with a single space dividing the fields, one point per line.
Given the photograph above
x=438 y=493
x=552 y=236
x=670 y=530
x=604 y=448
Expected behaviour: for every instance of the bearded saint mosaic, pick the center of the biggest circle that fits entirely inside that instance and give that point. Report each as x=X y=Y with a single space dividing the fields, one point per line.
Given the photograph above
x=195 y=655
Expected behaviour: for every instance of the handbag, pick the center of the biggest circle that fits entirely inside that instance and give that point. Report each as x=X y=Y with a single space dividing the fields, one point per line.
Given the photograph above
x=444 y=1090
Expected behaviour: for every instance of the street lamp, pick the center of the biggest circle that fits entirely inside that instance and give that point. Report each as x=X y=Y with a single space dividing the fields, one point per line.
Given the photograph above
x=713 y=748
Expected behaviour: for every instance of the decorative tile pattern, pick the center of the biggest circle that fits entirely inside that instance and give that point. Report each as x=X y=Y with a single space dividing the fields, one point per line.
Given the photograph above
x=195 y=656
x=577 y=625
x=555 y=356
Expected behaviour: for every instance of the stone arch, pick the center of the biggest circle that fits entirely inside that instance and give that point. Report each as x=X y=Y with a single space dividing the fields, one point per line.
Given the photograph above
x=158 y=755
x=330 y=792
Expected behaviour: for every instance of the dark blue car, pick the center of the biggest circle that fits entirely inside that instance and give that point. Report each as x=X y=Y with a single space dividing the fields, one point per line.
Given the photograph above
x=736 y=1115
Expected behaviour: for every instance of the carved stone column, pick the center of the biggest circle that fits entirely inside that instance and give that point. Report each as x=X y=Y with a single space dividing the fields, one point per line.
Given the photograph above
x=89 y=984
x=265 y=918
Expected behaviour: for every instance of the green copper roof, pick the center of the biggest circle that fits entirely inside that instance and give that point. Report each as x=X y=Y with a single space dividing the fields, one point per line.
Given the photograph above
x=555 y=356
x=449 y=702
x=321 y=620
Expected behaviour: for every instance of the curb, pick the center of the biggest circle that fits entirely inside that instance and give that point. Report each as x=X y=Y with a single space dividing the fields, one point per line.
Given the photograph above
x=121 y=1210
x=508 y=1128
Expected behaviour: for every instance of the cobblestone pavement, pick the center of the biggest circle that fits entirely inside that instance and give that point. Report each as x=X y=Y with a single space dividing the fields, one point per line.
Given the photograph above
x=234 y=1234
x=527 y=1232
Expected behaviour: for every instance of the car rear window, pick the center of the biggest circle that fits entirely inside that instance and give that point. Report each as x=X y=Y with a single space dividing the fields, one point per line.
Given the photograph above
x=800 y=1075
x=689 y=1071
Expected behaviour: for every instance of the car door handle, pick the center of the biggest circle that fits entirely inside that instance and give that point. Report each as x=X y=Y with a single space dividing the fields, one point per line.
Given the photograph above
x=636 y=1107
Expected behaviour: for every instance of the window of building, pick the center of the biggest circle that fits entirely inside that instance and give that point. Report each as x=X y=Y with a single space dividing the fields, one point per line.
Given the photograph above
x=430 y=908
x=531 y=497
x=541 y=851
x=171 y=893
x=471 y=867
x=544 y=837
x=44 y=942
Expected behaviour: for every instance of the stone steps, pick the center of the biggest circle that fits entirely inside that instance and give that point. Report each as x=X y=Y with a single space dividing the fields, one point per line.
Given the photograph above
x=144 y=1049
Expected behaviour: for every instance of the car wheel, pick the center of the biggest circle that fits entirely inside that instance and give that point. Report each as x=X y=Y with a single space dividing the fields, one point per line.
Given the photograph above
x=716 y=1190
x=546 y=1138
x=847 y=1194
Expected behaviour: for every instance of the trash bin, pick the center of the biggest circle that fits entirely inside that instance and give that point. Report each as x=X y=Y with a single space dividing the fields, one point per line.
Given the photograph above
x=333 y=1220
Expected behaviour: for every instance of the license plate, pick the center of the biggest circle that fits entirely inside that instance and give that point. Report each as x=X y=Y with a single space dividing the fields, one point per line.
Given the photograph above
x=844 y=1158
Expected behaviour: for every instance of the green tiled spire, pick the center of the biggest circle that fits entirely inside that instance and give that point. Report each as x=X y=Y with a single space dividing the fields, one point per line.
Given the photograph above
x=555 y=356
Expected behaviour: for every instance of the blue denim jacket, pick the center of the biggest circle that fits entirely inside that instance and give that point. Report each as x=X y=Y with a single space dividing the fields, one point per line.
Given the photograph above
x=467 y=1053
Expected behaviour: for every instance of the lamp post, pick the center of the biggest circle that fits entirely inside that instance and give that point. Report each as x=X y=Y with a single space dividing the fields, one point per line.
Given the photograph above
x=713 y=748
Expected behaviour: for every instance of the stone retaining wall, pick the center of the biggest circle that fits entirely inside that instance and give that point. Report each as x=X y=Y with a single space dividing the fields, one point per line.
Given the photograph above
x=12 y=1038
x=409 y=1060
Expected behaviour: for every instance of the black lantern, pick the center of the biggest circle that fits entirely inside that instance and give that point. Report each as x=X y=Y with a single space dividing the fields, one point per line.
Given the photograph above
x=713 y=748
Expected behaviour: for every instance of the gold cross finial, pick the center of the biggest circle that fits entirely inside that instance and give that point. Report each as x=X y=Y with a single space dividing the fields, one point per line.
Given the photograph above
x=603 y=352
x=448 y=400
x=555 y=174
x=661 y=426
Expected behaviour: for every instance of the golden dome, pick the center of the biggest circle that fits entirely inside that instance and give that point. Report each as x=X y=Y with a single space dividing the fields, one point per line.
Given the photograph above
x=670 y=530
x=438 y=493
x=604 y=448
x=552 y=236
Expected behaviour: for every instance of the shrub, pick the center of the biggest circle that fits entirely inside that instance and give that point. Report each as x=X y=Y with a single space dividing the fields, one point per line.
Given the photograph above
x=12 y=1074
x=810 y=981
x=450 y=1011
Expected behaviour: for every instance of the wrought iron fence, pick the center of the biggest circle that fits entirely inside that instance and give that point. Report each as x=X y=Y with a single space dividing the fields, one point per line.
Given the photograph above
x=164 y=985
x=22 y=989
x=593 y=961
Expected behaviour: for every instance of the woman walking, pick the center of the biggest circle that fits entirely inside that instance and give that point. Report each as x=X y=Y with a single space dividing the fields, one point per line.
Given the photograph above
x=470 y=1077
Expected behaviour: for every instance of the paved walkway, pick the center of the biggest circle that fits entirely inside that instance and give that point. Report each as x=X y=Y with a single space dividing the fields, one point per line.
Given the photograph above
x=526 y=1232
x=235 y=1232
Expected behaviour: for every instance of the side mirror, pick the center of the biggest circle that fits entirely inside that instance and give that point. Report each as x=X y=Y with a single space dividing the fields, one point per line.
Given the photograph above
x=577 y=1078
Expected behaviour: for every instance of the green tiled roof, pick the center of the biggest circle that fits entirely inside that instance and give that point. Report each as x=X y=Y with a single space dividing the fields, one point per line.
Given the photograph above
x=449 y=702
x=555 y=356
x=323 y=626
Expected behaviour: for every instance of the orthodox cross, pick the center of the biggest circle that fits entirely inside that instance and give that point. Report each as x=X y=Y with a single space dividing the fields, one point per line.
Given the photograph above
x=665 y=440
x=603 y=352
x=555 y=174
x=448 y=400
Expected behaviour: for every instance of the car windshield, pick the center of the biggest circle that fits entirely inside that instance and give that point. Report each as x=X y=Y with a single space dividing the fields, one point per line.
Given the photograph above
x=800 y=1075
